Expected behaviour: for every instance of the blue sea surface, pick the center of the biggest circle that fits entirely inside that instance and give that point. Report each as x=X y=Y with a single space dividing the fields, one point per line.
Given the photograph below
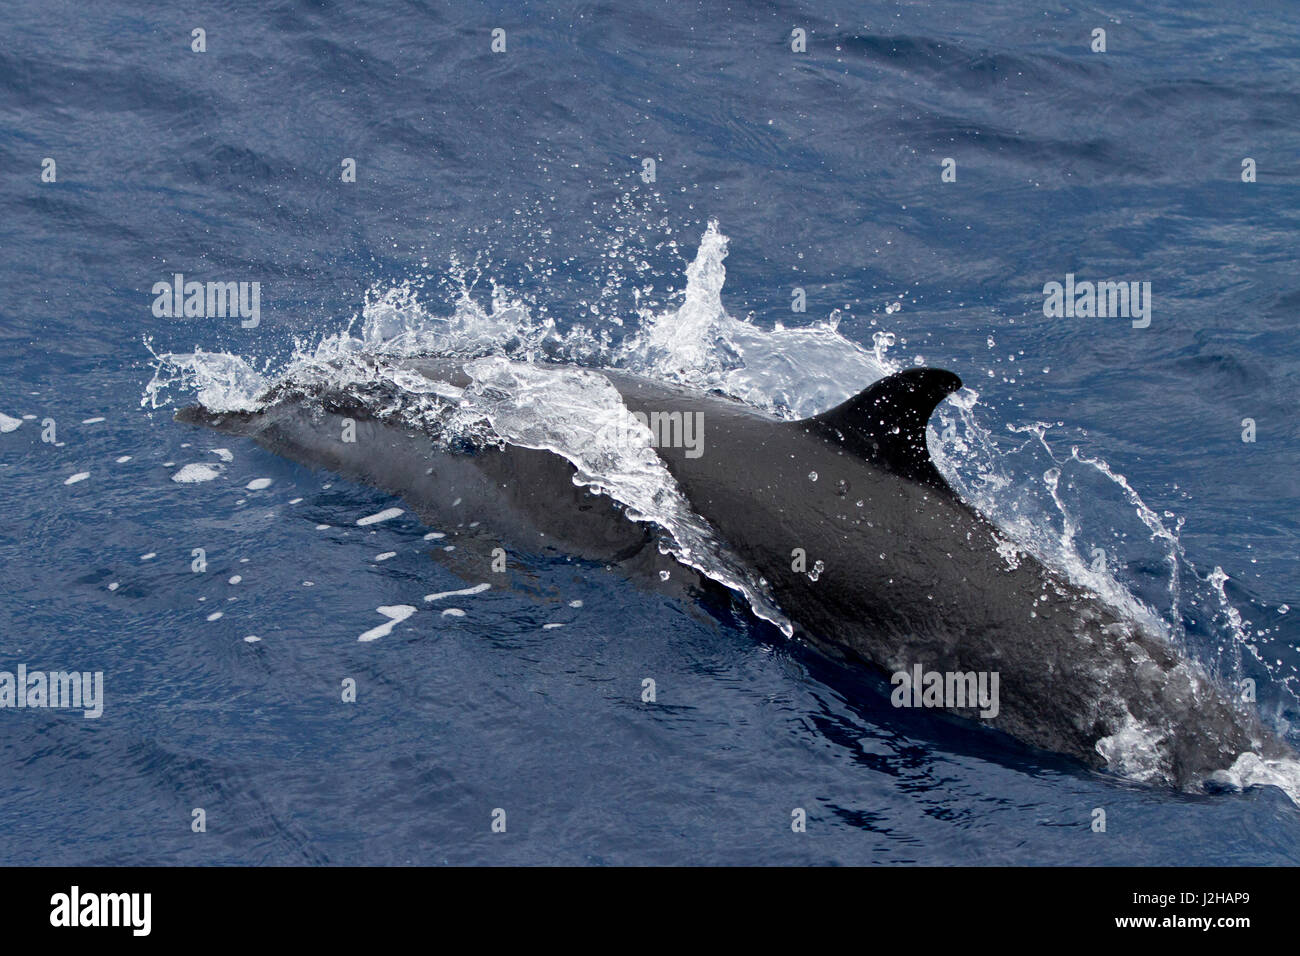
x=518 y=180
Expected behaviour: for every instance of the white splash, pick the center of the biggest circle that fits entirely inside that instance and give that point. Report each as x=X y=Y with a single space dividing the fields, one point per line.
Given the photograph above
x=386 y=515
x=396 y=614
x=463 y=592
x=192 y=474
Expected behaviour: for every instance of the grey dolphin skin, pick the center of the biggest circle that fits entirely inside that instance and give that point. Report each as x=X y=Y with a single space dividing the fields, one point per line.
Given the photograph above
x=900 y=574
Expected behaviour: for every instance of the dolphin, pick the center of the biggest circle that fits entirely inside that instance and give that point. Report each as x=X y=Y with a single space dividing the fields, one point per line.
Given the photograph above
x=844 y=518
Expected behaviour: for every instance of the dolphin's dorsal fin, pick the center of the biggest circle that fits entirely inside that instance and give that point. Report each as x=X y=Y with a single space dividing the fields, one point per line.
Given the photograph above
x=886 y=421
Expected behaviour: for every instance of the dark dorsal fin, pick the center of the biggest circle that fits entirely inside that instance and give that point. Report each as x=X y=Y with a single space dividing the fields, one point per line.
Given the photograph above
x=885 y=422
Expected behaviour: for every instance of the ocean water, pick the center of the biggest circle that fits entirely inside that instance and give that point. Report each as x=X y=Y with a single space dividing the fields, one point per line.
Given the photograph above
x=503 y=209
